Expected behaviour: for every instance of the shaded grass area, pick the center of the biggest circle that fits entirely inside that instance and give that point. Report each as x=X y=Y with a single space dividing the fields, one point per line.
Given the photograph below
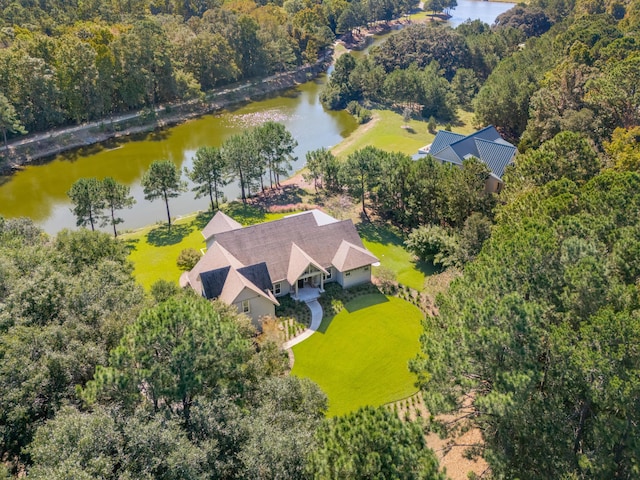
x=362 y=356
x=388 y=246
x=155 y=249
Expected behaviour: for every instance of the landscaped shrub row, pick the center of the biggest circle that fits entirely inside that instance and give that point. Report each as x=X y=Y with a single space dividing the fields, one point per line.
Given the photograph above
x=335 y=297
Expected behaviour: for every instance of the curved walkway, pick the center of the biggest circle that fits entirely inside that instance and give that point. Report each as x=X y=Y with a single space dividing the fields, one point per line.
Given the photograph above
x=316 y=320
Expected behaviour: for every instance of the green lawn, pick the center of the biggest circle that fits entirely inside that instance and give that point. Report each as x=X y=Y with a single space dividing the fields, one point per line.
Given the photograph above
x=388 y=246
x=362 y=356
x=386 y=132
x=154 y=249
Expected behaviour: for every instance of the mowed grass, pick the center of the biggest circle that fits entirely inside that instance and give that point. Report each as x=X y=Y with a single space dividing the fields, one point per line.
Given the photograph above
x=154 y=249
x=385 y=131
x=388 y=246
x=362 y=357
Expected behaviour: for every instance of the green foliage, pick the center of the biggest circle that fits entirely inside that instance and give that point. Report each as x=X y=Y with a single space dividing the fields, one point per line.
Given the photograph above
x=209 y=174
x=81 y=249
x=532 y=21
x=543 y=328
x=372 y=443
x=188 y=259
x=9 y=121
x=360 y=173
x=422 y=44
x=275 y=146
x=432 y=243
x=162 y=180
x=323 y=166
x=116 y=197
x=503 y=100
x=109 y=445
x=86 y=196
x=162 y=290
x=65 y=303
x=624 y=149
x=173 y=352
x=568 y=155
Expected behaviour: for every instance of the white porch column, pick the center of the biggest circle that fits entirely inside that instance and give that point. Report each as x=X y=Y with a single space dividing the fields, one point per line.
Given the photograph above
x=321 y=282
x=296 y=289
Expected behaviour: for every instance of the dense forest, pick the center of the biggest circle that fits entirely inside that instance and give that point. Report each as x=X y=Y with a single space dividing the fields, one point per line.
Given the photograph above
x=69 y=62
x=536 y=343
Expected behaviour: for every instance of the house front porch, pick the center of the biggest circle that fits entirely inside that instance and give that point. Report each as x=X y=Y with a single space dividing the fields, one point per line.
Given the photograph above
x=306 y=294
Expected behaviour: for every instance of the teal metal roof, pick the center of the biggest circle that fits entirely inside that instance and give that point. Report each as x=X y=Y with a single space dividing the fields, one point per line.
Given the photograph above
x=444 y=139
x=496 y=155
x=486 y=145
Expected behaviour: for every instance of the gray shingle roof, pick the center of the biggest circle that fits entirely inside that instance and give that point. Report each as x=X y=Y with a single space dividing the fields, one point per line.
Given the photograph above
x=220 y=222
x=213 y=282
x=258 y=275
x=271 y=242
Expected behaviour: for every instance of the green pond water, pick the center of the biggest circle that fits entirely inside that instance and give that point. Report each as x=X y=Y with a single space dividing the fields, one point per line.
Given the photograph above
x=39 y=191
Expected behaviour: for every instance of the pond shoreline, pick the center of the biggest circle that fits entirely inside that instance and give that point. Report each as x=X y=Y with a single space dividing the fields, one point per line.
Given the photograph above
x=45 y=145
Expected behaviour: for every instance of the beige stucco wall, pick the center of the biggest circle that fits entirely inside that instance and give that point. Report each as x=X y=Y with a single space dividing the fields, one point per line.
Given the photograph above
x=492 y=185
x=355 y=277
x=258 y=305
x=284 y=288
x=334 y=275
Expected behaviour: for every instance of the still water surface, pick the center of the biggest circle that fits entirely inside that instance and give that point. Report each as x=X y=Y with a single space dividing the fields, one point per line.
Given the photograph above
x=39 y=191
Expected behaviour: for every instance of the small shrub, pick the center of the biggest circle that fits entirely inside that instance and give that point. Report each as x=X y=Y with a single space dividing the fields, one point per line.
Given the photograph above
x=163 y=290
x=188 y=259
x=432 y=125
x=353 y=107
x=364 y=116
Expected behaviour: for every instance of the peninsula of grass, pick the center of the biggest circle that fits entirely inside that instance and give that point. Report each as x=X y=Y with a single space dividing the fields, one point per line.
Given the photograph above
x=388 y=246
x=155 y=249
x=362 y=356
x=388 y=131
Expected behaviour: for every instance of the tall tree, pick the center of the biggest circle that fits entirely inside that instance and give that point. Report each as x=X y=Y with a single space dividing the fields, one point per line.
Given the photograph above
x=173 y=352
x=162 y=180
x=116 y=197
x=372 y=443
x=9 y=121
x=361 y=173
x=86 y=195
x=239 y=153
x=316 y=161
x=275 y=145
x=209 y=174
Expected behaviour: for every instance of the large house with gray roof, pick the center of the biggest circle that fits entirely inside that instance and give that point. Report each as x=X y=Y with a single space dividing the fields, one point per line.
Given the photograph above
x=486 y=145
x=250 y=267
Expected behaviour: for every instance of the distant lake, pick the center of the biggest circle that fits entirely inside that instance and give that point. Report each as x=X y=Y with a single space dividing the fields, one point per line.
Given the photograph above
x=39 y=191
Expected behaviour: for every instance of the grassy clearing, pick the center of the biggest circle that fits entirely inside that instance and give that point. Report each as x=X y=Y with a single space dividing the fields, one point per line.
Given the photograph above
x=361 y=358
x=155 y=249
x=385 y=131
x=387 y=245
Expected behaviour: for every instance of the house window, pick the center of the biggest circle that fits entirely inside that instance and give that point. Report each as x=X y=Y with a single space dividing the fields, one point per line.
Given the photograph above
x=327 y=276
x=277 y=288
x=347 y=274
x=245 y=306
